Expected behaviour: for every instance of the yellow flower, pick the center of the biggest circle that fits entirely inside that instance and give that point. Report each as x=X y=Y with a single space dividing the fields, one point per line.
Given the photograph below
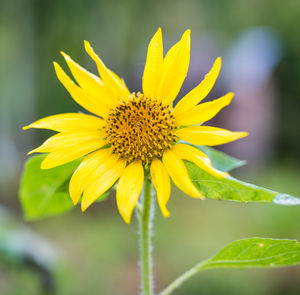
x=129 y=131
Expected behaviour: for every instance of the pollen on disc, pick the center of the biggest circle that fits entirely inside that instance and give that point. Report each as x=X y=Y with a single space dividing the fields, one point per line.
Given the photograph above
x=140 y=129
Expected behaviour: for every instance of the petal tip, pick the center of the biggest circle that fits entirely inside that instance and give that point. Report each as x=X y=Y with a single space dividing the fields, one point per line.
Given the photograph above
x=218 y=63
x=45 y=166
x=87 y=46
x=84 y=206
x=37 y=150
x=66 y=56
x=73 y=198
x=26 y=127
x=187 y=35
x=166 y=213
x=158 y=34
x=240 y=134
x=196 y=194
x=229 y=97
x=243 y=134
x=75 y=202
x=188 y=32
x=127 y=219
x=57 y=67
x=125 y=216
x=222 y=174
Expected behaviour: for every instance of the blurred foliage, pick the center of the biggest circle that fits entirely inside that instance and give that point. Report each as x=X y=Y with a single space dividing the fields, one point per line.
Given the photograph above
x=22 y=250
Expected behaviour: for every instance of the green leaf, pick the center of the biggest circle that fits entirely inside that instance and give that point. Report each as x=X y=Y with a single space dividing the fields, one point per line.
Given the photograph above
x=232 y=189
x=255 y=252
x=247 y=253
x=44 y=193
x=219 y=160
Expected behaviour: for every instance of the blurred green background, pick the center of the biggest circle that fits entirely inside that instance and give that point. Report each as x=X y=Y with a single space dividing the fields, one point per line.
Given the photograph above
x=95 y=252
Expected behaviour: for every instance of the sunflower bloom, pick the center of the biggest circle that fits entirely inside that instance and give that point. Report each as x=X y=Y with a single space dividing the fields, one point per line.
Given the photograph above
x=128 y=132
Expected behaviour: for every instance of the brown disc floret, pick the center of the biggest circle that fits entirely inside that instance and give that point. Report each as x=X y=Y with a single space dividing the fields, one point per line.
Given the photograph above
x=140 y=129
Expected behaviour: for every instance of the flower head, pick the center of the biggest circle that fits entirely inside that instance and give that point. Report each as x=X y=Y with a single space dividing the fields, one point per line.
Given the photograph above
x=132 y=131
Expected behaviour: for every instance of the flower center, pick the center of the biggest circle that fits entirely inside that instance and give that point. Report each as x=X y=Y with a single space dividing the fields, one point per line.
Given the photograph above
x=140 y=129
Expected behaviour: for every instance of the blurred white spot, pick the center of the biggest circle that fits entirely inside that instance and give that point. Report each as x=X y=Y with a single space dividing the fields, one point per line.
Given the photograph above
x=285 y=199
x=253 y=56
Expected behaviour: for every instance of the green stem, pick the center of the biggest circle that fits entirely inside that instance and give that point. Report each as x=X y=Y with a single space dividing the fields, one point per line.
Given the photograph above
x=174 y=285
x=185 y=276
x=145 y=222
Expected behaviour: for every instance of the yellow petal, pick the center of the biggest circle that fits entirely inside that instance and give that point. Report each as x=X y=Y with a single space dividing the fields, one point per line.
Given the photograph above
x=61 y=157
x=70 y=140
x=161 y=182
x=206 y=135
x=89 y=103
x=86 y=168
x=175 y=68
x=204 y=111
x=102 y=179
x=91 y=84
x=70 y=122
x=179 y=174
x=120 y=81
x=187 y=152
x=200 y=91
x=153 y=66
x=129 y=188
x=110 y=79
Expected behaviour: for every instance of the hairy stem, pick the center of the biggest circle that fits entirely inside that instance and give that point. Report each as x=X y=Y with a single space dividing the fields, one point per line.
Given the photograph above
x=145 y=223
x=185 y=276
